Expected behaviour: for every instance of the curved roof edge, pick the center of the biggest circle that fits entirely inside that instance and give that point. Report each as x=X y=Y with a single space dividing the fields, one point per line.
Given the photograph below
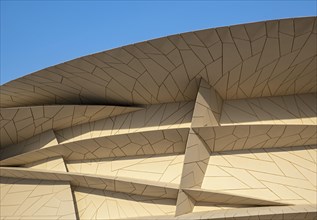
x=269 y=58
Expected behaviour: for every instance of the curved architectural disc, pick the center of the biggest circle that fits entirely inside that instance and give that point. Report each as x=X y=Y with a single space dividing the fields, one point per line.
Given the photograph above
x=250 y=60
x=212 y=124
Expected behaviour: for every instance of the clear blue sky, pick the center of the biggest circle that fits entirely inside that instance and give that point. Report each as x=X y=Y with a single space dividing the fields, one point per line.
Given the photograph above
x=38 y=34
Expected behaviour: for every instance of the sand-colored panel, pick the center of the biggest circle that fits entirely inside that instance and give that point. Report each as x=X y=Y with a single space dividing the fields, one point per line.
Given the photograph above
x=195 y=162
x=164 y=168
x=208 y=106
x=152 y=118
x=282 y=110
x=228 y=138
x=54 y=163
x=136 y=144
x=115 y=184
x=285 y=175
x=297 y=212
x=214 y=197
x=36 y=199
x=19 y=124
x=185 y=204
x=38 y=142
x=99 y=204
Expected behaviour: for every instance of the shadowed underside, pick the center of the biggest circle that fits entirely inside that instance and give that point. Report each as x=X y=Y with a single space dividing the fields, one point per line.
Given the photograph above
x=211 y=124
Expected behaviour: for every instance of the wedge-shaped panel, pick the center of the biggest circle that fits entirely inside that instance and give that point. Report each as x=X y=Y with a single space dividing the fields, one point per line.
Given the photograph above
x=102 y=204
x=214 y=197
x=55 y=163
x=185 y=203
x=208 y=106
x=206 y=207
x=152 y=118
x=195 y=163
x=35 y=199
x=228 y=138
x=19 y=124
x=38 y=142
x=286 y=175
x=280 y=110
x=307 y=212
x=134 y=144
x=295 y=212
x=158 y=168
x=194 y=168
x=201 y=200
x=116 y=184
x=144 y=143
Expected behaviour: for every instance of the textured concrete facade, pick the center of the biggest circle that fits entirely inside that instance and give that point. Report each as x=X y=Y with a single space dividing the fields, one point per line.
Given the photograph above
x=213 y=124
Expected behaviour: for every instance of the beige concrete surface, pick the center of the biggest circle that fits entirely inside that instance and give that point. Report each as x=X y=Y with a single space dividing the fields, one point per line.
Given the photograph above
x=36 y=199
x=19 y=124
x=249 y=60
x=213 y=124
